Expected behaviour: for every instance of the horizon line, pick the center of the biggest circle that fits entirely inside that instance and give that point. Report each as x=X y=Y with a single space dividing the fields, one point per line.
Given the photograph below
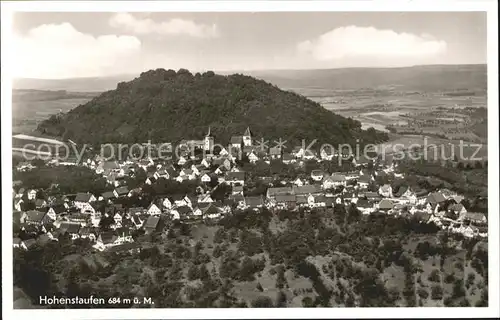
x=236 y=71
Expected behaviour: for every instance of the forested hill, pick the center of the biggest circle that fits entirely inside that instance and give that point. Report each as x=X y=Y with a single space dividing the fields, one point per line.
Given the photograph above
x=167 y=106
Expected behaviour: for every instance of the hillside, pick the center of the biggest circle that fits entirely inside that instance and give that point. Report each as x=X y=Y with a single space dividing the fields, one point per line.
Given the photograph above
x=167 y=106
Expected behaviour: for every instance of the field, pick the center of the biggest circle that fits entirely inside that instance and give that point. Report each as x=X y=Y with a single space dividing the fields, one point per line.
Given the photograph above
x=29 y=107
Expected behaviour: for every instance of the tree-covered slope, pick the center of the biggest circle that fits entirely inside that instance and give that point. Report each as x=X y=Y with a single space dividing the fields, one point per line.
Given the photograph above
x=167 y=106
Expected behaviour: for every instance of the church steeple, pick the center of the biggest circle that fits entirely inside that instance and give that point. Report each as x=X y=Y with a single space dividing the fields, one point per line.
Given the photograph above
x=247 y=138
x=208 y=141
x=247 y=132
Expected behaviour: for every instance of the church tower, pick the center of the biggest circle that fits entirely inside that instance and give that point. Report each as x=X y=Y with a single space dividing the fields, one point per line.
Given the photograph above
x=208 y=142
x=247 y=138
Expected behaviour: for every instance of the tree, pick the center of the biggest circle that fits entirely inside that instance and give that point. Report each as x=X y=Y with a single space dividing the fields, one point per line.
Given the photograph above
x=262 y=302
x=307 y=302
x=436 y=292
x=434 y=276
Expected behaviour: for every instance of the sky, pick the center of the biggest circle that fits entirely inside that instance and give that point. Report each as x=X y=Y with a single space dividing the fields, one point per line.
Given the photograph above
x=89 y=44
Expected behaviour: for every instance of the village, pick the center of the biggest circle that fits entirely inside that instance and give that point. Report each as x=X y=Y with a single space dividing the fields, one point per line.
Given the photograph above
x=82 y=215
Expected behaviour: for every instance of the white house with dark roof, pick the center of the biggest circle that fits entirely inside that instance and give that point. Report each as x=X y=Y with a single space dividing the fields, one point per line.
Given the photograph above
x=83 y=199
x=153 y=210
x=236 y=142
x=235 y=178
x=365 y=206
x=298 y=182
x=317 y=175
x=205 y=178
x=31 y=194
x=385 y=191
x=275 y=153
x=333 y=181
x=474 y=217
x=121 y=192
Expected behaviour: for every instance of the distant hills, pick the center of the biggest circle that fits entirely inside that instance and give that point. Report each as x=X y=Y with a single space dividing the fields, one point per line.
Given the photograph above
x=168 y=106
x=417 y=78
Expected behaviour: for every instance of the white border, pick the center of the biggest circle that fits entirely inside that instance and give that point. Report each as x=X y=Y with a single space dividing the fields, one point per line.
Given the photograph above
x=491 y=7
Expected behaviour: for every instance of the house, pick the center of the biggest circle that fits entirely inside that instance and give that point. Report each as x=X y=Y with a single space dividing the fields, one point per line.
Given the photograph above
x=118 y=218
x=302 y=200
x=205 y=198
x=237 y=190
x=32 y=194
x=212 y=212
x=474 y=217
x=253 y=157
x=298 y=182
x=470 y=231
x=385 y=205
x=121 y=192
x=235 y=178
x=365 y=206
x=35 y=217
x=364 y=181
x=124 y=236
x=107 y=196
x=137 y=221
x=152 y=224
x=286 y=201
x=87 y=233
x=205 y=178
x=273 y=192
x=275 y=152
x=18 y=243
x=181 y=213
x=18 y=204
x=153 y=210
x=316 y=201
x=314 y=189
x=350 y=196
x=287 y=158
x=20 y=193
x=236 y=142
x=317 y=175
x=361 y=161
x=385 y=191
x=70 y=228
x=40 y=203
x=334 y=181
x=457 y=209
x=435 y=199
x=83 y=199
x=374 y=196
x=187 y=174
x=326 y=154
x=254 y=202
x=106 y=240
x=182 y=161
x=18 y=217
x=51 y=213
x=238 y=200
x=28 y=244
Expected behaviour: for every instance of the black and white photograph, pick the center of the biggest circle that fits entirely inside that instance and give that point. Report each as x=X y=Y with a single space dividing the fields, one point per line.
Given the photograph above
x=165 y=159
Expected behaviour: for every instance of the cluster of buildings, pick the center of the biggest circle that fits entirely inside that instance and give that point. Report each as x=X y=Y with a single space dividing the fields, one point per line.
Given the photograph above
x=107 y=223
